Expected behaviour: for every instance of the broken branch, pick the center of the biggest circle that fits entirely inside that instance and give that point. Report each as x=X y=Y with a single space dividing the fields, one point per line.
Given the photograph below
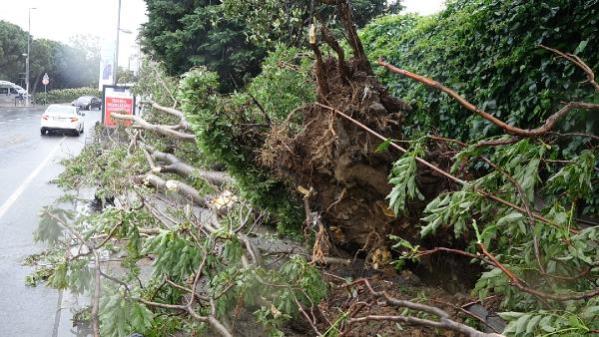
x=445 y=322
x=187 y=171
x=545 y=128
x=164 y=130
x=174 y=186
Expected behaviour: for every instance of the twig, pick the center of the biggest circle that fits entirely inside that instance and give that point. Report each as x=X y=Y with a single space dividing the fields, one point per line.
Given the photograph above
x=97 y=288
x=166 y=87
x=261 y=108
x=525 y=202
x=514 y=280
x=445 y=322
x=578 y=62
x=308 y=319
x=518 y=283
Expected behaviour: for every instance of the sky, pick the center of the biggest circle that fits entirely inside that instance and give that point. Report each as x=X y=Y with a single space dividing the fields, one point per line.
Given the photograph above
x=423 y=7
x=60 y=20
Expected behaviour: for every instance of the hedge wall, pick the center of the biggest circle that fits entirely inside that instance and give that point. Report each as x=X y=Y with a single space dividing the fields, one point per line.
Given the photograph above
x=65 y=95
x=488 y=50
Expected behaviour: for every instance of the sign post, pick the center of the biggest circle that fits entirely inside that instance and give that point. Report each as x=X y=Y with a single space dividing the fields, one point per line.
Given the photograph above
x=45 y=82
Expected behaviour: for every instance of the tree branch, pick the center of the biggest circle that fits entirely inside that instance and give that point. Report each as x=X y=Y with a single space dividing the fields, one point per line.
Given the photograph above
x=188 y=171
x=171 y=111
x=579 y=63
x=173 y=185
x=539 y=131
x=445 y=322
x=164 y=130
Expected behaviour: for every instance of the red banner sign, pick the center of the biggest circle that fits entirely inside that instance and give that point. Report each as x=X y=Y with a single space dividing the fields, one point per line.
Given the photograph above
x=120 y=105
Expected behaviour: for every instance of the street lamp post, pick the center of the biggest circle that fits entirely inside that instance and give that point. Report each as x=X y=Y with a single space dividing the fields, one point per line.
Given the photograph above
x=116 y=54
x=28 y=53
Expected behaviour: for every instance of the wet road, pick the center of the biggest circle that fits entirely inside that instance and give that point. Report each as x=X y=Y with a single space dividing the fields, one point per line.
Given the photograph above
x=28 y=162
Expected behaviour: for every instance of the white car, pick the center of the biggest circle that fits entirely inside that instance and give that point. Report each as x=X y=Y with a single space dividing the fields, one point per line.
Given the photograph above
x=62 y=118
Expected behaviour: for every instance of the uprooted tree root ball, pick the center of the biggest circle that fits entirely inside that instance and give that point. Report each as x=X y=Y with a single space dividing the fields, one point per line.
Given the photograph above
x=339 y=160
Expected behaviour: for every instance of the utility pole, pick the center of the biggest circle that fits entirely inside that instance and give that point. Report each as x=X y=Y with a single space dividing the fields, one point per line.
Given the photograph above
x=28 y=52
x=116 y=54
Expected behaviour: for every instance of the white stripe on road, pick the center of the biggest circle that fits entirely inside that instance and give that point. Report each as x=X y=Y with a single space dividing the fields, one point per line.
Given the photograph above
x=17 y=193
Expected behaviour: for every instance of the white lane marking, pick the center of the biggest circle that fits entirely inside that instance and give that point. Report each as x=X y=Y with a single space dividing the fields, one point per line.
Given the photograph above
x=17 y=193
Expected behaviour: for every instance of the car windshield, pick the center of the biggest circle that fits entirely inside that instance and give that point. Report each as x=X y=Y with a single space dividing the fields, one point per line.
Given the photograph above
x=84 y=100
x=61 y=110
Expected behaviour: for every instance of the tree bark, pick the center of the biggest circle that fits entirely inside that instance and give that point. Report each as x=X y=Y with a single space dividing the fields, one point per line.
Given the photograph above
x=188 y=171
x=165 y=130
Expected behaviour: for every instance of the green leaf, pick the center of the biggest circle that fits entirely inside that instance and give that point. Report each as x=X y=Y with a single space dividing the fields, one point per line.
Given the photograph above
x=521 y=323
x=511 y=316
x=545 y=324
x=532 y=324
x=384 y=146
x=581 y=46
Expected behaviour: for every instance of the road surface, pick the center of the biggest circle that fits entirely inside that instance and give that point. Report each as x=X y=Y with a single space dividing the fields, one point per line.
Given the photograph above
x=28 y=162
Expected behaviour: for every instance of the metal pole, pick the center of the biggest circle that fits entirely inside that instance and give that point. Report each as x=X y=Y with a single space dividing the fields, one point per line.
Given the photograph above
x=28 y=51
x=116 y=54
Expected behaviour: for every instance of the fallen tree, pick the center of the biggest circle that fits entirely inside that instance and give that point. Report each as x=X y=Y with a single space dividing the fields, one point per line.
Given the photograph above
x=512 y=205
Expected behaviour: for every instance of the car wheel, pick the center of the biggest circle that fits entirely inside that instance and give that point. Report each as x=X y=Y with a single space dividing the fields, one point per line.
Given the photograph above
x=43 y=131
x=76 y=133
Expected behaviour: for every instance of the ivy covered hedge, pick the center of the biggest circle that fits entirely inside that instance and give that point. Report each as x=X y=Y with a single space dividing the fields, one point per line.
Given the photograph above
x=489 y=51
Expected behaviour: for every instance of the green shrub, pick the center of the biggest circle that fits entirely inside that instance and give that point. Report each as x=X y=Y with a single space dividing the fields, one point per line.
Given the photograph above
x=231 y=129
x=285 y=82
x=65 y=95
x=218 y=123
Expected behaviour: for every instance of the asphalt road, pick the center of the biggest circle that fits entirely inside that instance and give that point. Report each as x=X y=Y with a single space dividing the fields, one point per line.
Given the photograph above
x=28 y=162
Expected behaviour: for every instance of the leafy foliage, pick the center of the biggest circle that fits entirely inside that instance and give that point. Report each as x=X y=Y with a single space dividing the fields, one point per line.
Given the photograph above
x=220 y=125
x=284 y=83
x=271 y=21
x=231 y=37
x=550 y=323
x=488 y=51
x=189 y=33
x=172 y=237
x=557 y=255
x=65 y=95
x=403 y=180
x=121 y=316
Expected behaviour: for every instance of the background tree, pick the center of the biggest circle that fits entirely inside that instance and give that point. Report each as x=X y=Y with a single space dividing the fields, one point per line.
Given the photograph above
x=13 y=43
x=191 y=33
x=231 y=37
x=69 y=66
